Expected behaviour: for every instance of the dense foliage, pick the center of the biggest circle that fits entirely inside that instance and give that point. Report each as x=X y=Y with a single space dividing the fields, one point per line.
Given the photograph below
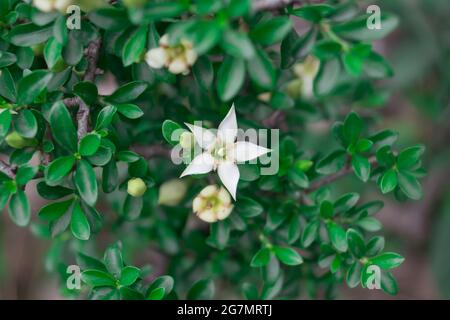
x=101 y=157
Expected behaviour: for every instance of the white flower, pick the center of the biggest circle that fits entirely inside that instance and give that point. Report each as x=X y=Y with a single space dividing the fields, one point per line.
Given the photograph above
x=212 y=204
x=50 y=5
x=178 y=59
x=156 y=58
x=222 y=152
x=172 y=192
x=307 y=72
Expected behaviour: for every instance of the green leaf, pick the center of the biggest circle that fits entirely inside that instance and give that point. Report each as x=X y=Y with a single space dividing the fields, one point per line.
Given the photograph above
x=203 y=72
x=388 y=181
x=376 y=66
x=7 y=59
x=327 y=49
x=55 y=210
x=4 y=197
x=97 y=278
x=361 y=167
x=62 y=123
x=52 y=52
x=354 y=275
x=261 y=70
x=51 y=192
x=288 y=256
x=410 y=186
x=298 y=177
x=346 y=202
x=58 y=169
x=261 y=258
x=388 y=260
x=314 y=12
x=356 y=243
x=410 y=157
x=169 y=128
x=87 y=91
x=162 y=10
x=132 y=207
x=230 y=78
x=201 y=290
x=375 y=246
x=110 y=18
x=219 y=234
x=89 y=144
x=79 y=224
x=129 y=275
x=130 y=111
x=331 y=163
x=5 y=122
x=356 y=29
x=369 y=224
x=86 y=182
x=26 y=124
x=134 y=46
x=326 y=210
x=337 y=236
x=156 y=294
x=389 y=284
x=271 y=31
x=30 y=86
x=113 y=260
x=19 y=209
x=327 y=77
x=7 y=85
x=352 y=127
x=110 y=177
x=237 y=44
x=104 y=118
x=310 y=233
x=28 y=34
x=25 y=173
x=165 y=282
x=248 y=207
x=128 y=92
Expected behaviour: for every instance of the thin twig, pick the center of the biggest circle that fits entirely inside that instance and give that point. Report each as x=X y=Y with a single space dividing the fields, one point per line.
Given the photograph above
x=152 y=151
x=7 y=169
x=336 y=176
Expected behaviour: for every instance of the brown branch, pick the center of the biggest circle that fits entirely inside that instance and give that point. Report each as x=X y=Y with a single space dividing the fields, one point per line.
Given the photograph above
x=7 y=169
x=152 y=151
x=92 y=54
x=336 y=176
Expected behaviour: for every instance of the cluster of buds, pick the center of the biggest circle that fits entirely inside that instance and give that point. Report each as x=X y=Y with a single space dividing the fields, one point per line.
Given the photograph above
x=305 y=72
x=213 y=203
x=178 y=59
x=52 y=5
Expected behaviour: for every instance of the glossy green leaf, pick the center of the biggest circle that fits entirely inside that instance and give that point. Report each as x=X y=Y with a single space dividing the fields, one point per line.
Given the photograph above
x=86 y=183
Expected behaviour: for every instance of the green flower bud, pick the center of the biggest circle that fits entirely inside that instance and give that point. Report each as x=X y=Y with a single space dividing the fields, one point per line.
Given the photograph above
x=136 y=187
x=16 y=141
x=172 y=192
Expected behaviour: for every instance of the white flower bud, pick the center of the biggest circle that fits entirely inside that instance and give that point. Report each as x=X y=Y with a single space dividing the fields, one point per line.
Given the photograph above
x=164 y=41
x=62 y=5
x=212 y=204
x=44 y=5
x=136 y=187
x=187 y=140
x=191 y=57
x=172 y=192
x=156 y=58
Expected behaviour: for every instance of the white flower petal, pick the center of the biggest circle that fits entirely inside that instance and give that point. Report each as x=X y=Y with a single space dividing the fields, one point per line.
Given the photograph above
x=207 y=216
x=203 y=163
x=204 y=137
x=228 y=127
x=245 y=151
x=156 y=58
x=43 y=5
x=178 y=66
x=224 y=212
x=164 y=41
x=229 y=175
x=191 y=57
